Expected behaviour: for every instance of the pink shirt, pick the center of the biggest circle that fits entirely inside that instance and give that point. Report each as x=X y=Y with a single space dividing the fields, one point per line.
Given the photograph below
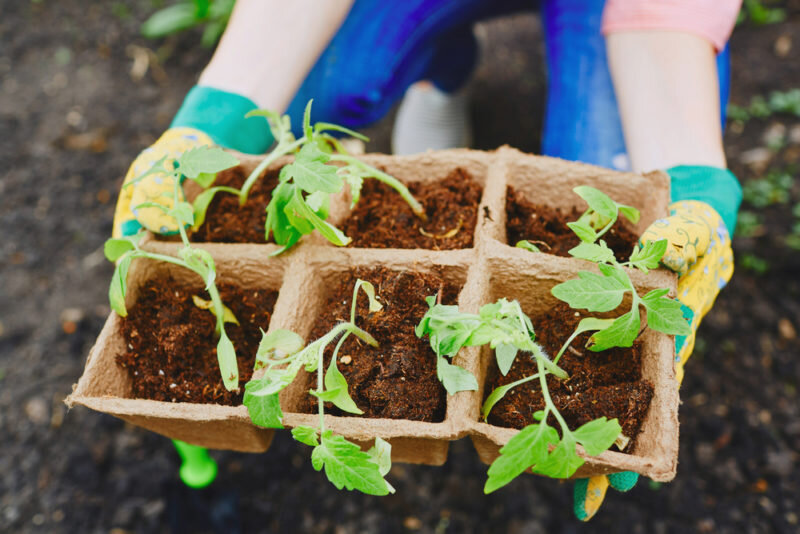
x=710 y=19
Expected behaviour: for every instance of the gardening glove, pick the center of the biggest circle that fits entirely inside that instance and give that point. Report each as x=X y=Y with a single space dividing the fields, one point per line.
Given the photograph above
x=207 y=117
x=705 y=201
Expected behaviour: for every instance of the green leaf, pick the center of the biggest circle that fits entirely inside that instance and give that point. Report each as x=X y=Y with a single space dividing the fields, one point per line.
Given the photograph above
x=648 y=256
x=227 y=314
x=170 y=20
x=598 y=201
x=347 y=466
x=201 y=262
x=527 y=245
x=527 y=448
x=228 y=367
x=115 y=248
x=183 y=213
x=455 y=378
x=664 y=314
x=595 y=252
x=205 y=179
x=494 y=397
x=205 y=160
x=369 y=290
x=335 y=381
x=307 y=131
x=278 y=223
x=203 y=200
x=598 y=435
x=264 y=410
x=381 y=454
x=591 y=291
x=119 y=284
x=562 y=462
x=326 y=126
x=630 y=213
x=280 y=341
x=622 y=333
x=585 y=232
x=505 y=355
x=298 y=212
x=305 y=435
x=311 y=173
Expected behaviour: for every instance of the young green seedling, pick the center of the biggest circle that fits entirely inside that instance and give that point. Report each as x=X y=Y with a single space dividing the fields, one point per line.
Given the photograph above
x=604 y=292
x=197 y=164
x=282 y=354
x=505 y=327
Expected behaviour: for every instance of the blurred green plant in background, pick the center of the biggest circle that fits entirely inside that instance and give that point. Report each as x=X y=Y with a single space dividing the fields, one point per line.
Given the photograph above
x=186 y=14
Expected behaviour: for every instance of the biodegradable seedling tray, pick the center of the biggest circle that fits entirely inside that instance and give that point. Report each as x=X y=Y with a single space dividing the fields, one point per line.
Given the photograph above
x=489 y=270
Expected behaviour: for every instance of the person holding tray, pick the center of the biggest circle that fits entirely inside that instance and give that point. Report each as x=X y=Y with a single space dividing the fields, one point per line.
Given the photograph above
x=632 y=85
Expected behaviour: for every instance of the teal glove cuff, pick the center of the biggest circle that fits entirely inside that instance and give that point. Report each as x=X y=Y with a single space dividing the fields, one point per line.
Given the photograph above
x=221 y=115
x=717 y=187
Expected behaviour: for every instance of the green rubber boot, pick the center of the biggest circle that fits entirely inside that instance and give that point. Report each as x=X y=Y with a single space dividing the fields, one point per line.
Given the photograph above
x=198 y=469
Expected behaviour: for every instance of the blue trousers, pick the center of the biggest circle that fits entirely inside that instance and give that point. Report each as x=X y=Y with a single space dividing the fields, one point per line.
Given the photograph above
x=385 y=46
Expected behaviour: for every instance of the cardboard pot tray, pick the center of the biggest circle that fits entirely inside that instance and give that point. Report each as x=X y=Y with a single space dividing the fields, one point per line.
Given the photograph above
x=491 y=269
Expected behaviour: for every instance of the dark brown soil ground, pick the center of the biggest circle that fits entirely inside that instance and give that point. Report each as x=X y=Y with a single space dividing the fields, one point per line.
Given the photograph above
x=547 y=228
x=173 y=347
x=607 y=383
x=73 y=115
x=382 y=219
x=226 y=221
x=398 y=379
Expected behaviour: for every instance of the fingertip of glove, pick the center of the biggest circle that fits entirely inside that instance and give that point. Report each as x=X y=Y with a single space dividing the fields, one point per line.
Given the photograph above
x=624 y=481
x=579 y=499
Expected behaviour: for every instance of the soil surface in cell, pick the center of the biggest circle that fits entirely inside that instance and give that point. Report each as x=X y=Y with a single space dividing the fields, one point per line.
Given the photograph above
x=396 y=380
x=227 y=221
x=607 y=383
x=172 y=347
x=382 y=219
x=547 y=228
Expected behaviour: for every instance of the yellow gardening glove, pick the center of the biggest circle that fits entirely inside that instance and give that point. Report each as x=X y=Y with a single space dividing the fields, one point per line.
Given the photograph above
x=700 y=252
x=158 y=188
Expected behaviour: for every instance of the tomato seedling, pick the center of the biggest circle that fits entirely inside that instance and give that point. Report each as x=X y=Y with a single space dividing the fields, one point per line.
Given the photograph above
x=199 y=164
x=282 y=354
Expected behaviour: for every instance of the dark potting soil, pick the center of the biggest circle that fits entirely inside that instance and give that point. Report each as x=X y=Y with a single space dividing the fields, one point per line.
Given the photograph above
x=382 y=219
x=607 y=383
x=396 y=380
x=226 y=221
x=172 y=346
x=547 y=228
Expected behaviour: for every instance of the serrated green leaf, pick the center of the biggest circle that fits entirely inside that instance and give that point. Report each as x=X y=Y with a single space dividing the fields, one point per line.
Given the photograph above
x=598 y=201
x=205 y=160
x=595 y=252
x=455 y=378
x=591 y=291
x=598 y=435
x=527 y=448
x=664 y=314
x=227 y=314
x=119 y=284
x=264 y=410
x=505 y=355
x=311 y=173
x=115 y=248
x=228 y=366
x=527 y=245
x=648 y=256
x=305 y=435
x=584 y=232
x=622 y=333
x=562 y=462
x=347 y=466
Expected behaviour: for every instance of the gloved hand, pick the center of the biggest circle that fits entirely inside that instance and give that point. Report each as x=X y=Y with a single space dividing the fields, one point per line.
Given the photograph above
x=207 y=117
x=705 y=201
